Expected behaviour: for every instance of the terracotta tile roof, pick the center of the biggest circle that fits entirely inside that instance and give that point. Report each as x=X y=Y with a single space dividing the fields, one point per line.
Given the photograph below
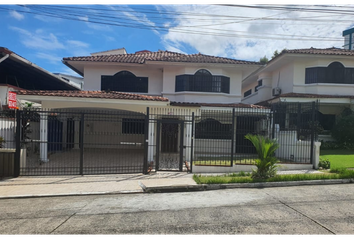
x=308 y=95
x=93 y=94
x=304 y=95
x=322 y=51
x=231 y=105
x=163 y=56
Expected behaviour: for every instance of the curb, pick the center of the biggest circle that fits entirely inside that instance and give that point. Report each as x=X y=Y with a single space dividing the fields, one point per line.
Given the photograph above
x=206 y=187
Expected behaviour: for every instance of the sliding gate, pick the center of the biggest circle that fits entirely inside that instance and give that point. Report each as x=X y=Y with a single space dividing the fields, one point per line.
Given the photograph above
x=81 y=142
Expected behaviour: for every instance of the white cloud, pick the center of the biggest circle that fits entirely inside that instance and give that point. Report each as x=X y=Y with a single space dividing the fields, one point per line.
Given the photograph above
x=49 y=57
x=38 y=39
x=137 y=17
x=248 y=34
x=16 y=15
x=85 y=18
x=75 y=43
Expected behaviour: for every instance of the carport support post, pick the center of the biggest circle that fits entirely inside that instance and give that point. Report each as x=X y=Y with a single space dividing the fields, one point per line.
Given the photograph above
x=43 y=146
x=17 y=158
x=81 y=143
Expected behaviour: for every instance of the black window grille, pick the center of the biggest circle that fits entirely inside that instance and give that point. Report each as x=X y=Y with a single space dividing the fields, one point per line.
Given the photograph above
x=247 y=93
x=260 y=83
x=124 y=81
x=133 y=126
x=334 y=73
x=202 y=81
x=212 y=129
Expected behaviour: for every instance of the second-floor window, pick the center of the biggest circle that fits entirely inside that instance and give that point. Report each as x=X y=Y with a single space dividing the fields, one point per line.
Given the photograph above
x=124 y=81
x=202 y=81
x=335 y=73
x=247 y=93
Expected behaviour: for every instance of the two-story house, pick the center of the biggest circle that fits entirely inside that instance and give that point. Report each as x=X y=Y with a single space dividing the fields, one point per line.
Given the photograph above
x=172 y=85
x=304 y=75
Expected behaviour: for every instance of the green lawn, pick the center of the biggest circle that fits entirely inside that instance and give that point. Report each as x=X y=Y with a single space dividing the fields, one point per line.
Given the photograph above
x=339 y=158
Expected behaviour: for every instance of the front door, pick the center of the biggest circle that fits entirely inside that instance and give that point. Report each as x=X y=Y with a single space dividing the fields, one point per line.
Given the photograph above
x=169 y=145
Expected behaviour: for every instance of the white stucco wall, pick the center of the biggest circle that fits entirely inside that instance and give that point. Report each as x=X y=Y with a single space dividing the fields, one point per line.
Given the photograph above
x=93 y=73
x=320 y=88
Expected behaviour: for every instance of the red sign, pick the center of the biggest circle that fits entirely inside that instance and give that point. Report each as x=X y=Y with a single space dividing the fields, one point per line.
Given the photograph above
x=12 y=102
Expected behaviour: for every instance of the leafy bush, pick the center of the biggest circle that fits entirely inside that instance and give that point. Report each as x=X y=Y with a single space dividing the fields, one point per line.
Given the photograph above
x=343 y=131
x=266 y=161
x=324 y=164
x=2 y=141
x=336 y=145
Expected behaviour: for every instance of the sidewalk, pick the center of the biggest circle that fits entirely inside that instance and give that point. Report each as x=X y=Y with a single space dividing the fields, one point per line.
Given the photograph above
x=121 y=183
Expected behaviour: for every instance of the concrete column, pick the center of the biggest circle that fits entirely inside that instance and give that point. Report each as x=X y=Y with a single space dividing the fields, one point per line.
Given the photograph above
x=316 y=155
x=43 y=146
x=188 y=138
x=152 y=138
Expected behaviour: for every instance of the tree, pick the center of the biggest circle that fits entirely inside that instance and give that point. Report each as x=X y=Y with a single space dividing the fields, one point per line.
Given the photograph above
x=276 y=53
x=266 y=161
x=263 y=60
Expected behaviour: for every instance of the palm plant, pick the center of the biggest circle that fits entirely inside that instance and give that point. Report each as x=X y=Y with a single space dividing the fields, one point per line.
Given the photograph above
x=266 y=161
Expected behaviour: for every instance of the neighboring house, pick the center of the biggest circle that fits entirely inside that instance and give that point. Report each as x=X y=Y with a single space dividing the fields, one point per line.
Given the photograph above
x=17 y=73
x=305 y=75
x=73 y=80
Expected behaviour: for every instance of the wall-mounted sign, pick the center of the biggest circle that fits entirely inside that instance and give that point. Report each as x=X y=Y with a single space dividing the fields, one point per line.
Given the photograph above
x=12 y=101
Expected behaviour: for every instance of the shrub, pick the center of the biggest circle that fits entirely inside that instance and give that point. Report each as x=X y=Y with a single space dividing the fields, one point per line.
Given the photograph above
x=266 y=161
x=343 y=131
x=324 y=164
x=2 y=141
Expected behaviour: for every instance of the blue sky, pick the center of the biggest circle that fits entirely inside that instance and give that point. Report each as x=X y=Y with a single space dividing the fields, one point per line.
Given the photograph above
x=227 y=31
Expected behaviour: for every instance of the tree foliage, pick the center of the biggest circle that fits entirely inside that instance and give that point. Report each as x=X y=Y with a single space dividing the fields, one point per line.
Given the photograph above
x=343 y=131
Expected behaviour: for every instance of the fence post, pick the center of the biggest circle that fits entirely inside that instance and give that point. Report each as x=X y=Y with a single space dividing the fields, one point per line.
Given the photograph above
x=192 y=142
x=232 y=137
x=18 y=145
x=273 y=108
x=146 y=138
x=81 y=143
x=312 y=131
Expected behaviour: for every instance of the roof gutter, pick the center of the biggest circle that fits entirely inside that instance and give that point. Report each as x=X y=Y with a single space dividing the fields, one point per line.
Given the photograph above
x=4 y=58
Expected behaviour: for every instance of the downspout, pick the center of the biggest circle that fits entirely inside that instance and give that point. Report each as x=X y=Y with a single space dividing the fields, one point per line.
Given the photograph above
x=4 y=58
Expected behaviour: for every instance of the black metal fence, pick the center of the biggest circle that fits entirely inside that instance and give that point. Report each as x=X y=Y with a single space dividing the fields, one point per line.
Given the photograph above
x=78 y=142
x=220 y=134
x=64 y=142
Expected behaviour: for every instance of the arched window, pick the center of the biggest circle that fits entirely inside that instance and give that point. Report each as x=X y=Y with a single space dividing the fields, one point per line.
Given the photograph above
x=202 y=81
x=335 y=72
x=203 y=72
x=124 y=81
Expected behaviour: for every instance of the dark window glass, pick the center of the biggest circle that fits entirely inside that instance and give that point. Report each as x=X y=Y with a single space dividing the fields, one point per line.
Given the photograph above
x=334 y=73
x=133 y=126
x=247 y=93
x=202 y=81
x=212 y=129
x=327 y=121
x=124 y=81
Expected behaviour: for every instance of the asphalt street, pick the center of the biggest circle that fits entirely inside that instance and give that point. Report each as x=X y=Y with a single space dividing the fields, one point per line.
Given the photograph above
x=323 y=209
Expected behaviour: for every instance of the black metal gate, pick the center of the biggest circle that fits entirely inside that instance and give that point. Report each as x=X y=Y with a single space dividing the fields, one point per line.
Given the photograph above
x=64 y=142
x=169 y=147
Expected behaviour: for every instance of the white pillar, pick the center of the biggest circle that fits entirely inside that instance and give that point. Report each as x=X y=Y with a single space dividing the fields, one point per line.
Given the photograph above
x=43 y=146
x=316 y=155
x=188 y=138
x=152 y=139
